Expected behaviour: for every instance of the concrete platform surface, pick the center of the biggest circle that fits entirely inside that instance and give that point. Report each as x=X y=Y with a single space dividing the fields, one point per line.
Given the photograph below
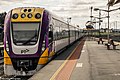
x=95 y=63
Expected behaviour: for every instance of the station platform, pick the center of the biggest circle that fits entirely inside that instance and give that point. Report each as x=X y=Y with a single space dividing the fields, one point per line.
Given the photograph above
x=94 y=62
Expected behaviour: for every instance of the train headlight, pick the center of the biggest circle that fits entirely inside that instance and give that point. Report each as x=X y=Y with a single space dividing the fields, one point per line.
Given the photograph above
x=23 y=15
x=38 y=16
x=15 y=16
x=29 y=15
x=7 y=47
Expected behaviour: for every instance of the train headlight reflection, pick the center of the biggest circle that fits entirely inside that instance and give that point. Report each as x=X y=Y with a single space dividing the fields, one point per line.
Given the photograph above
x=38 y=16
x=15 y=16
x=23 y=15
x=43 y=48
x=29 y=15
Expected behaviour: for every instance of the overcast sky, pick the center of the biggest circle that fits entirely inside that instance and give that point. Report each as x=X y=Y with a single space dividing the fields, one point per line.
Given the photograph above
x=78 y=10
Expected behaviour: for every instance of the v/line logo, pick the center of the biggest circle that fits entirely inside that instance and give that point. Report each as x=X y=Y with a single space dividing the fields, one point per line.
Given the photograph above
x=24 y=51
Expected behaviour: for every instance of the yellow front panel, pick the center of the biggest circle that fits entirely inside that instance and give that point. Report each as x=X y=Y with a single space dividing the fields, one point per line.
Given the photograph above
x=7 y=59
x=33 y=11
x=44 y=57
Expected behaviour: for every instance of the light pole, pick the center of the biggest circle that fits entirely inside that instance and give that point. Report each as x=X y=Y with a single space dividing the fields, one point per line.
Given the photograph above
x=68 y=21
x=90 y=22
x=99 y=22
x=91 y=13
x=107 y=16
x=108 y=36
x=116 y=26
x=99 y=19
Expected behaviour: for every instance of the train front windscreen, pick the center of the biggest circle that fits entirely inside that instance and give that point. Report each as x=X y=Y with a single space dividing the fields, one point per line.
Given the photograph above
x=25 y=33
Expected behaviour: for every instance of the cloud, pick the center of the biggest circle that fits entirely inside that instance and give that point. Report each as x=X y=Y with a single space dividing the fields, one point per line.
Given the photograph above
x=83 y=2
x=2 y=3
x=79 y=10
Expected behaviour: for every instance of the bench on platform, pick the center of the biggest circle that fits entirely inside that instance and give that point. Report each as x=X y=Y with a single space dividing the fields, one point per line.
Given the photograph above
x=111 y=42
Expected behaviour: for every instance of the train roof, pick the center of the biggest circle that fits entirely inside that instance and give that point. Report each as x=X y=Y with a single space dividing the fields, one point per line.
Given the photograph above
x=60 y=18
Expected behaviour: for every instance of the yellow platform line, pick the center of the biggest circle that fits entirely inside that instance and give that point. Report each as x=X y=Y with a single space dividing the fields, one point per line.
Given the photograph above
x=60 y=68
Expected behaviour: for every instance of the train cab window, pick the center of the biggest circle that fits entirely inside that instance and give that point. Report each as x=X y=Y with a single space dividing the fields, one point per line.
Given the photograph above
x=25 y=33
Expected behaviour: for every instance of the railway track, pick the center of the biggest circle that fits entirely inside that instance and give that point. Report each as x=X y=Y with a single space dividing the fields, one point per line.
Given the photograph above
x=14 y=77
x=4 y=77
x=1 y=61
x=1 y=66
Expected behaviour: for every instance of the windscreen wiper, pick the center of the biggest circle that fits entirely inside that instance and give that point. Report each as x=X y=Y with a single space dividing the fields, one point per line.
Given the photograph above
x=29 y=40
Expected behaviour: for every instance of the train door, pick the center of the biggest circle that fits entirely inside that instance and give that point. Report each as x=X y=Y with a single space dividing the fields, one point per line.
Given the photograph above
x=51 y=41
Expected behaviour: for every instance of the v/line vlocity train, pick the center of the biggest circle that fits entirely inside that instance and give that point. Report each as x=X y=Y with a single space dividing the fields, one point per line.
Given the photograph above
x=32 y=36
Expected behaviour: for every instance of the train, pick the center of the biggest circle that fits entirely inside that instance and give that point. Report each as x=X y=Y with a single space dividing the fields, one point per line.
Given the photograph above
x=32 y=37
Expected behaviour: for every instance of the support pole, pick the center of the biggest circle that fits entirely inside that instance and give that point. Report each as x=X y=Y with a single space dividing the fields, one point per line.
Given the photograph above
x=108 y=22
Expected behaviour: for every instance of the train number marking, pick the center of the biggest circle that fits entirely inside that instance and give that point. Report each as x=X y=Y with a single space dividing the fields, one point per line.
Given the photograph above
x=24 y=51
